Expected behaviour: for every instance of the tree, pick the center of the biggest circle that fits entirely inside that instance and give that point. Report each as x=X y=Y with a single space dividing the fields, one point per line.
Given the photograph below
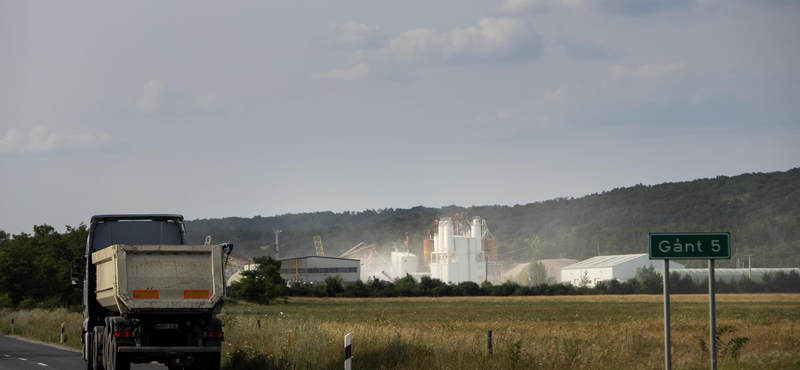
x=585 y=281
x=262 y=285
x=37 y=266
x=537 y=274
x=334 y=285
x=649 y=279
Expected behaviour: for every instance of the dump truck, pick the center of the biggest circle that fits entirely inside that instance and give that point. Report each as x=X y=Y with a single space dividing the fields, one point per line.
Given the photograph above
x=148 y=296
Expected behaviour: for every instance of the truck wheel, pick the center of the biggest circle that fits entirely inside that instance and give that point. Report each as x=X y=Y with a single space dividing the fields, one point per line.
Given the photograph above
x=119 y=361
x=88 y=343
x=211 y=361
x=97 y=335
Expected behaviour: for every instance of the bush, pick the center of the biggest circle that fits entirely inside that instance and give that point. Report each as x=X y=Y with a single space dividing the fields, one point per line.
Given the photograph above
x=28 y=304
x=5 y=301
x=647 y=281
x=262 y=285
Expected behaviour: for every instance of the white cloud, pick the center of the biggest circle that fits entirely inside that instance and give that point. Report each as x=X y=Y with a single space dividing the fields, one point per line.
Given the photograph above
x=493 y=40
x=355 y=73
x=556 y=96
x=514 y=6
x=358 y=35
x=207 y=101
x=150 y=96
x=40 y=140
x=647 y=70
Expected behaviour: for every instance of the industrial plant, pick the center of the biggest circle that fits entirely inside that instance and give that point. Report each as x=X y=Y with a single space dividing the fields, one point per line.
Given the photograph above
x=455 y=250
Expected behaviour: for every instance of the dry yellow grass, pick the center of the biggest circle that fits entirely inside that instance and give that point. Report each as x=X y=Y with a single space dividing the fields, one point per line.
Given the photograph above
x=575 y=332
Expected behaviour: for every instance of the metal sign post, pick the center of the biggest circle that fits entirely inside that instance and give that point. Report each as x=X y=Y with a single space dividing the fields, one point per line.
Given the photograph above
x=685 y=246
x=712 y=314
x=667 y=337
x=348 y=352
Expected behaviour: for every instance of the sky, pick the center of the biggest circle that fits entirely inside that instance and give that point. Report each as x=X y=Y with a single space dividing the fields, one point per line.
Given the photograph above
x=213 y=110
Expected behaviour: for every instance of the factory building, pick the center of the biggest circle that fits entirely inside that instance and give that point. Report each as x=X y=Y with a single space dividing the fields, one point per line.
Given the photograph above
x=732 y=275
x=606 y=268
x=461 y=252
x=406 y=263
x=314 y=269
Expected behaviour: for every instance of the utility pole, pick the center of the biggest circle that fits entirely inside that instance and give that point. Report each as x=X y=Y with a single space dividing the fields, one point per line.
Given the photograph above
x=598 y=248
x=749 y=266
x=277 y=243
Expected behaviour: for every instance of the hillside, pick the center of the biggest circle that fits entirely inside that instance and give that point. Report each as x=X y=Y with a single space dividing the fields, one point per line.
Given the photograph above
x=761 y=210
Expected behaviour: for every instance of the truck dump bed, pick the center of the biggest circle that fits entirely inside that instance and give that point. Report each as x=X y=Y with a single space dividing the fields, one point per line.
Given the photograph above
x=160 y=278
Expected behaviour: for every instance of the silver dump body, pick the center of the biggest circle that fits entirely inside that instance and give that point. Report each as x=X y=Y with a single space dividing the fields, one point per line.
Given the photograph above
x=160 y=278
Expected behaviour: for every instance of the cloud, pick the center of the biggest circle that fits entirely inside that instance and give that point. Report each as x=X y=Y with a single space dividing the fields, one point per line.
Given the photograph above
x=41 y=140
x=588 y=50
x=620 y=7
x=150 y=97
x=494 y=40
x=358 y=35
x=518 y=6
x=556 y=96
x=207 y=101
x=647 y=70
x=355 y=73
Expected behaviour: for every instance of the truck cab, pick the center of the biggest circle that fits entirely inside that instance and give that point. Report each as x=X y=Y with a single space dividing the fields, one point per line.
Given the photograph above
x=127 y=320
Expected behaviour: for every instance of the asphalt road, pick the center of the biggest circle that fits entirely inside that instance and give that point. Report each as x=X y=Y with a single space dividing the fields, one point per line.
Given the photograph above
x=20 y=355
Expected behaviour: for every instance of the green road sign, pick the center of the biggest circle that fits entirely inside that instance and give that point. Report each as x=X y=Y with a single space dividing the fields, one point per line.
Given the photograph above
x=690 y=246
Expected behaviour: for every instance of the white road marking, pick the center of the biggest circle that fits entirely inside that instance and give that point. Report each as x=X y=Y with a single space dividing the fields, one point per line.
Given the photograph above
x=23 y=359
x=41 y=364
x=7 y=355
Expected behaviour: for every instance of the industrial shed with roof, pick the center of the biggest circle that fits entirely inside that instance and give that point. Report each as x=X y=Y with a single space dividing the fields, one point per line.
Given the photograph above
x=314 y=269
x=311 y=269
x=605 y=268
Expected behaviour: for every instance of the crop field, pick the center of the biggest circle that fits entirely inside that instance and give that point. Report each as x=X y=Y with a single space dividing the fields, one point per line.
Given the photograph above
x=760 y=331
x=574 y=332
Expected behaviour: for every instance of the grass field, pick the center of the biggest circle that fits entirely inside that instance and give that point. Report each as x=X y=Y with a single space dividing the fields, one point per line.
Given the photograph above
x=569 y=332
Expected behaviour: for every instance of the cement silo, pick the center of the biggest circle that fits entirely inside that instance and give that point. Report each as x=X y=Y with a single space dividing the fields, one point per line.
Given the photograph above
x=460 y=254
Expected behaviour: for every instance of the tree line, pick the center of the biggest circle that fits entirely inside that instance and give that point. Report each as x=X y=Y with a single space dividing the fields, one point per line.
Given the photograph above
x=265 y=285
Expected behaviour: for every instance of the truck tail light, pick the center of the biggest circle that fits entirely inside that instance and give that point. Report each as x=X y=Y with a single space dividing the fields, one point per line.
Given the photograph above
x=214 y=334
x=124 y=334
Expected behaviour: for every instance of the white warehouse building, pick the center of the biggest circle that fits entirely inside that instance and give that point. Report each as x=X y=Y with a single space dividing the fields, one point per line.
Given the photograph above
x=606 y=268
x=314 y=269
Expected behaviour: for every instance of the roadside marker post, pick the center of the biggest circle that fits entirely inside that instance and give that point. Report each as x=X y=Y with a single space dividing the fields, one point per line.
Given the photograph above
x=667 y=246
x=62 y=332
x=348 y=352
x=489 y=342
x=12 y=325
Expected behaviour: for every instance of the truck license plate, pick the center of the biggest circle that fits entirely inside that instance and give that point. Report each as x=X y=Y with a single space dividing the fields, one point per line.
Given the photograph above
x=166 y=326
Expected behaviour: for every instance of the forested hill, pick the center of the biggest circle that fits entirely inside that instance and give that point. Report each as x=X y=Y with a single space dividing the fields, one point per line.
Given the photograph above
x=761 y=210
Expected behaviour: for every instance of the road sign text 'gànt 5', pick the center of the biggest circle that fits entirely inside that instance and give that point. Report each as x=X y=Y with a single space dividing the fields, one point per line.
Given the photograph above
x=685 y=246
